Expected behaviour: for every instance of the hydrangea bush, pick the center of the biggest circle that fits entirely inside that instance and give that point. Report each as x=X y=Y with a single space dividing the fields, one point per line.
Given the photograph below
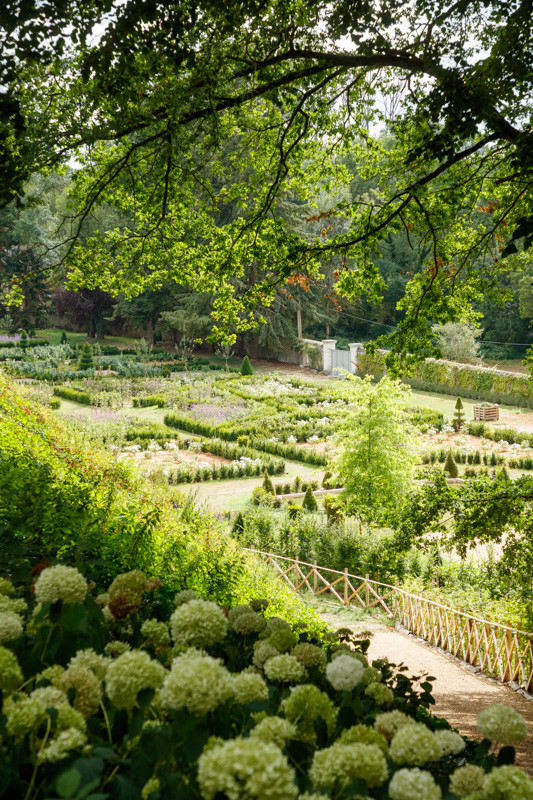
x=119 y=697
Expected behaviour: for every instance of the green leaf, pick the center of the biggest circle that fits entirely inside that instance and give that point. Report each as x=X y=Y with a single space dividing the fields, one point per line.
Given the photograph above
x=68 y=782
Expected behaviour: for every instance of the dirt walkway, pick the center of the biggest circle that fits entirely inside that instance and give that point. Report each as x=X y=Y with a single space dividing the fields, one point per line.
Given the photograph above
x=459 y=693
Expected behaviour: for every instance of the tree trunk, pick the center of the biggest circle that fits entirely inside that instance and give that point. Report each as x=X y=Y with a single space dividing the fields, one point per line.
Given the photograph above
x=92 y=328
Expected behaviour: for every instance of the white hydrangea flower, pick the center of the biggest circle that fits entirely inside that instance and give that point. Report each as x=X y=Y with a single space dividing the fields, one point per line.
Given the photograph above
x=413 y=784
x=337 y=766
x=309 y=655
x=198 y=623
x=129 y=674
x=414 y=745
x=246 y=768
x=502 y=724
x=450 y=741
x=59 y=746
x=467 y=780
x=274 y=729
x=391 y=721
x=10 y=671
x=92 y=660
x=12 y=605
x=60 y=583
x=344 y=673
x=284 y=669
x=383 y=695
x=247 y=687
x=10 y=627
x=155 y=631
x=507 y=783
x=185 y=596
x=262 y=652
x=196 y=682
x=6 y=587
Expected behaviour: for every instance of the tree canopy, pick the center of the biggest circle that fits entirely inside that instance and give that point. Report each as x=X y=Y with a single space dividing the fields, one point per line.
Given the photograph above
x=201 y=121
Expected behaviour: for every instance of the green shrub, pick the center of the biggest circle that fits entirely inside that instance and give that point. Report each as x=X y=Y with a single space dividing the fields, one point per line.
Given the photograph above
x=450 y=466
x=246 y=367
x=73 y=394
x=87 y=359
x=309 y=502
x=54 y=403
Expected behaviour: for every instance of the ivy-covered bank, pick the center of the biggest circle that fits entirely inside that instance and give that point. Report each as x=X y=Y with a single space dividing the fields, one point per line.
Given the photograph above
x=467 y=380
x=135 y=693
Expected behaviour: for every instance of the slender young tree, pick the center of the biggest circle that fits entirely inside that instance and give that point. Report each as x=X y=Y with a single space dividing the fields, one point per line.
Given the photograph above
x=377 y=454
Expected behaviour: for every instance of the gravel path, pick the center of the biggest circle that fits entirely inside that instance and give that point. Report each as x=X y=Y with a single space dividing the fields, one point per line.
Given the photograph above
x=459 y=693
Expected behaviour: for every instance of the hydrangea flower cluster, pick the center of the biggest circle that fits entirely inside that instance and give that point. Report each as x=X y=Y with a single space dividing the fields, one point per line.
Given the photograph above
x=246 y=768
x=502 y=724
x=60 y=583
x=274 y=729
x=304 y=705
x=126 y=593
x=413 y=784
x=198 y=623
x=10 y=626
x=130 y=673
x=344 y=673
x=211 y=686
x=284 y=669
x=196 y=682
x=414 y=745
x=337 y=766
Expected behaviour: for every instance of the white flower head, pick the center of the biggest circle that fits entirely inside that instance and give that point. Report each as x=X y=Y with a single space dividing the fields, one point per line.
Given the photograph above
x=413 y=784
x=196 y=682
x=60 y=583
x=344 y=673
x=502 y=724
x=198 y=623
x=246 y=768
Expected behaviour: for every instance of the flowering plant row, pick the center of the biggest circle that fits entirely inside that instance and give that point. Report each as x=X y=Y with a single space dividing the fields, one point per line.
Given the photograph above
x=112 y=697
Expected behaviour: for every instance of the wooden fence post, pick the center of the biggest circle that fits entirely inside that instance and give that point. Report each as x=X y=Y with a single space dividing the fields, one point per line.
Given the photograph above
x=367 y=597
x=345 y=586
x=314 y=577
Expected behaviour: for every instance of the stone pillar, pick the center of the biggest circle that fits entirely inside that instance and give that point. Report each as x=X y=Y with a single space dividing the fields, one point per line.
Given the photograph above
x=356 y=350
x=328 y=346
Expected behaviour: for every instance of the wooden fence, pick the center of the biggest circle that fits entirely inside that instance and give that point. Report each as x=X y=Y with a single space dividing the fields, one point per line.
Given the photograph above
x=498 y=650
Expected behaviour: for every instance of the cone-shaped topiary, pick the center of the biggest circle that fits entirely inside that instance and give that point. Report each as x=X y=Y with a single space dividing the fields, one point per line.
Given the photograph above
x=24 y=340
x=63 y=339
x=268 y=486
x=327 y=480
x=309 y=502
x=238 y=525
x=458 y=414
x=86 y=360
x=246 y=367
x=450 y=466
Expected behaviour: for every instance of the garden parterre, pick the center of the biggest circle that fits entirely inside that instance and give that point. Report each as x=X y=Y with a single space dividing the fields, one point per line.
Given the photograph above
x=133 y=694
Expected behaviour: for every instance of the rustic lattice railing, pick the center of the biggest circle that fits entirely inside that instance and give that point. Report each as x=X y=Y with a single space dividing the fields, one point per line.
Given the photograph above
x=498 y=650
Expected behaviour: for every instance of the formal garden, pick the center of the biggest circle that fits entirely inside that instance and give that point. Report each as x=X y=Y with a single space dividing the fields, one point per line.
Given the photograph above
x=264 y=270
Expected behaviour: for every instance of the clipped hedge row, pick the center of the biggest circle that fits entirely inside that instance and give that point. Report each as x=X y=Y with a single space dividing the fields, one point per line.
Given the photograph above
x=510 y=435
x=220 y=472
x=449 y=377
x=73 y=394
x=287 y=451
x=149 y=400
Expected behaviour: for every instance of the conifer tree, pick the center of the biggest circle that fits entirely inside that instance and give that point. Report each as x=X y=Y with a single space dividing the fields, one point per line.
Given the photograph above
x=63 y=339
x=238 y=525
x=450 y=466
x=268 y=486
x=458 y=414
x=246 y=367
x=309 y=502
x=24 y=340
x=86 y=360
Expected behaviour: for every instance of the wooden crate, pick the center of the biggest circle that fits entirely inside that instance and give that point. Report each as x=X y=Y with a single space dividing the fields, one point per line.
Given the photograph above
x=487 y=413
